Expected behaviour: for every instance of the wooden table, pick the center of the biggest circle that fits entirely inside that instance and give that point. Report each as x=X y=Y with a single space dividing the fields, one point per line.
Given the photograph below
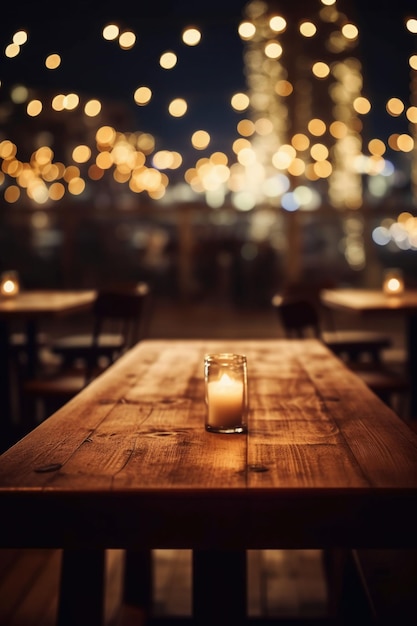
x=127 y=463
x=30 y=307
x=369 y=302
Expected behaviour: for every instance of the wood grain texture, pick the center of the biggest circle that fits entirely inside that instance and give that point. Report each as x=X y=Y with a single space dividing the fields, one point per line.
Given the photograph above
x=127 y=462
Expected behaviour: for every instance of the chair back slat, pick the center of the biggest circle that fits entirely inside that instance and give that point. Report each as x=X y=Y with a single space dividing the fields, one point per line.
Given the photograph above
x=118 y=310
x=298 y=316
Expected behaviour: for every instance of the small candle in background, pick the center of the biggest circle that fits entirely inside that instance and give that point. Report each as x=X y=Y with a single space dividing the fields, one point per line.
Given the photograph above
x=226 y=393
x=9 y=284
x=393 y=283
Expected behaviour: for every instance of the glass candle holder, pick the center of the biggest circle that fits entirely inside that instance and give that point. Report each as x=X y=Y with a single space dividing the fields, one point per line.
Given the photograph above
x=393 y=283
x=9 y=284
x=226 y=393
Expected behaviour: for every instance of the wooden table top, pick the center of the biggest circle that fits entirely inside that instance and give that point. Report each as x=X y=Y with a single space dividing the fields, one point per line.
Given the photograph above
x=369 y=300
x=128 y=463
x=35 y=303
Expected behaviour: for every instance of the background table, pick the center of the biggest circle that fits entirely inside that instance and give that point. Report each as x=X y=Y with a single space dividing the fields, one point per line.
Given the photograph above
x=370 y=302
x=127 y=463
x=30 y=307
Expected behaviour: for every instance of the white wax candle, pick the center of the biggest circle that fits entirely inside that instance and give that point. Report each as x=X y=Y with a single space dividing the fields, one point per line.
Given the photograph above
x=225 y=402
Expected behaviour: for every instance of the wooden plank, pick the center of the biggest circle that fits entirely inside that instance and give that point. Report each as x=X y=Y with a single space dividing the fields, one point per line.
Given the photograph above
x=82 y=587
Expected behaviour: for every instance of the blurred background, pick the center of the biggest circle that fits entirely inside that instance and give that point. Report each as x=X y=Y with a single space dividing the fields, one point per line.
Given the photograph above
x=218 y=150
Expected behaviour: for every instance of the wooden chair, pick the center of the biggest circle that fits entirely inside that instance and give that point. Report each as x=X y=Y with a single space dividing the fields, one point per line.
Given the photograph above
x=299 y=317
x=118 y=317
x=120 y=321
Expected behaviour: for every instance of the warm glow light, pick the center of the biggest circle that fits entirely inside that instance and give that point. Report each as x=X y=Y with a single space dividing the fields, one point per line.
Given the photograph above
x=246 y=128
x=56 y=191
x=162 y=159
x=240 y=101
x=142 y=96
x=127 y=40
x=34 y=108
x=316 y=127
x=320 y=69
x=12 y=194
x=296 y=167
x=263 y=126
x=277 y=23
x=411 y=114
x=106 y=136
x=146 y=143
x=111 y=32
x=273 y=50
x=411 y=25
x=19 y=94
x=20 y=37
x=12 y=50
x=81 y=154
x=300 y=141
x=191 y=36
x=177 y=107
x=71 y=101
x=395 y=107
x=9 y=284
x=350 y=31
x=376 y=147
x=168 y=60
x=319 y=152
x=92 y=108
x=323 y=169
x=52 y=61
x=76 y=186
x=283 y=88
x=240 y=144
x=308 y=29
x=405 y=143
x=413 y=61
x=361 y=105
x=58 y=102
x=338 y=130
x=200 y=139
x=393 y=282
x=393 y=141
x=246 y=30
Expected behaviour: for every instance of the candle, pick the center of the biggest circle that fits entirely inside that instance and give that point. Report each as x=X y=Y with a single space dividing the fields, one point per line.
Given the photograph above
x=226 y=393
x=393 y=284
x=225 y=402
x=9 y=284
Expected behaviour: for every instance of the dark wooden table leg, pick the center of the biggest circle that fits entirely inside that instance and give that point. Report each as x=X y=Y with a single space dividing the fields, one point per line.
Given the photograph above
x=82 y=587
x=219 y=587
x=138 y=574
